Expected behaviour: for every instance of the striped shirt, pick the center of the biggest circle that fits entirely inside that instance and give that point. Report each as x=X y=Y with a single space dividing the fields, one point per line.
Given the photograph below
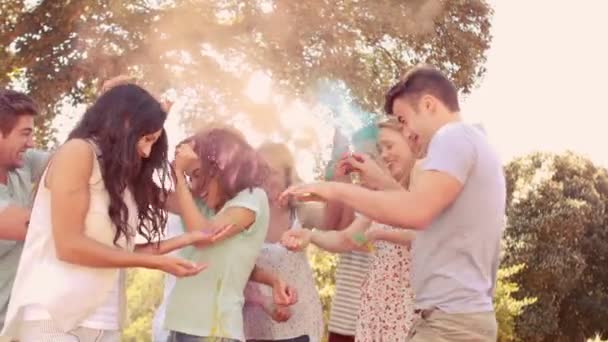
x=350 y=274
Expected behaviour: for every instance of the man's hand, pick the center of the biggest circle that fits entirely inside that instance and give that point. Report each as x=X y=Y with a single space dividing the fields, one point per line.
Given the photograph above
x=323 y=191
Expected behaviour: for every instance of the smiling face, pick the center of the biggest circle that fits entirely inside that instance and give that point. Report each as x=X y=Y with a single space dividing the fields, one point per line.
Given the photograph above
x=14 y=144
x=205 y=185
x=395 y=153
x=423 y=101
x=419 y=122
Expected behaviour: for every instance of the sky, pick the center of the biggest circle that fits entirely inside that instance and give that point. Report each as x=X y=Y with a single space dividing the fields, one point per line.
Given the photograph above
x=544 y=88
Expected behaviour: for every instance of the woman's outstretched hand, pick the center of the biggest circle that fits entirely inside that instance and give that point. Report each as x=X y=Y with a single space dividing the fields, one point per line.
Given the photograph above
x=203 y=238
x=177 y=266
x=296 y=240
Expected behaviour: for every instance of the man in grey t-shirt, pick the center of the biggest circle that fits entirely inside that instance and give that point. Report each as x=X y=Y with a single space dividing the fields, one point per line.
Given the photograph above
x=456 y=203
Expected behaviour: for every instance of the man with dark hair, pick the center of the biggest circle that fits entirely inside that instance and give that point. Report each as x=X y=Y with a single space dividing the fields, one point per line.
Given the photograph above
x=20 y=167
x=456 y=202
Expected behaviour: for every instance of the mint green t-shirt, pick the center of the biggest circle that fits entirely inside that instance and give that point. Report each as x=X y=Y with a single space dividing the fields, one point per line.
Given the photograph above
x=210 y=304
x=17 y=191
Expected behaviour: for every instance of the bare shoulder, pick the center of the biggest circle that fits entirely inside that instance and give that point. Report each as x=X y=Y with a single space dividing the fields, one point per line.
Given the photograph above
x=73 y=159
x=78 y=151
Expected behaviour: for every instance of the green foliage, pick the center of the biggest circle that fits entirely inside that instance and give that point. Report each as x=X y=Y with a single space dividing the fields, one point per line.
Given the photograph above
x=556 y=226
x=144 y=293
x=66 y=48
x=324 y=267
x=508 y=308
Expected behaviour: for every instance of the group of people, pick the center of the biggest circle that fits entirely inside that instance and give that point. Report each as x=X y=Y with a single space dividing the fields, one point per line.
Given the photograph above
x=419 y=237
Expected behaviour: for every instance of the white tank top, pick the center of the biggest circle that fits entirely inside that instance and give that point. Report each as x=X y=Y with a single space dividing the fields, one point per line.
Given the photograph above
x=105 y=317
x=71 y=295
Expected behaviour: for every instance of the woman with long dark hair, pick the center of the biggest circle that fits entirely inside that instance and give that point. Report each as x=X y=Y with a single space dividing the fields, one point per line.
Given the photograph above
x=96 y=194
x=227 y=176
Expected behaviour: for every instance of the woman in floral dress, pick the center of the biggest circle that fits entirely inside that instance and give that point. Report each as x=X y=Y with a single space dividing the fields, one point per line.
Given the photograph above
x=386 y=312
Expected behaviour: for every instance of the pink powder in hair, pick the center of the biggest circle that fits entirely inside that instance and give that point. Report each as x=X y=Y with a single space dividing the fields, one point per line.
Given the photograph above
x=228 y=156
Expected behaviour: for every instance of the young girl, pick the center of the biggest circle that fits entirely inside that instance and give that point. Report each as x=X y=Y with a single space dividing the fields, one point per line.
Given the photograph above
x=386 y=312
x=265 y=321
x=96 y=194
x=228 y=175
x=282 y=295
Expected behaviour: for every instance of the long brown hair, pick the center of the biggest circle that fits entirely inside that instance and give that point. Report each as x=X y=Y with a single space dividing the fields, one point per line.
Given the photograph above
x=116 y=122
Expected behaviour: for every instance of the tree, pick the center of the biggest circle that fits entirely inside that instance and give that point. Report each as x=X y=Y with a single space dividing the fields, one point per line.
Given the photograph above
x=557 y=227
x=65 y=49
x=324 y=268
x=144 y=294
x=506 y=307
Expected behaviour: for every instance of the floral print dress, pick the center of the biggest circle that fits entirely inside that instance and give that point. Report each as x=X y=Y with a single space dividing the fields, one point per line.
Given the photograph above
x=386 y=313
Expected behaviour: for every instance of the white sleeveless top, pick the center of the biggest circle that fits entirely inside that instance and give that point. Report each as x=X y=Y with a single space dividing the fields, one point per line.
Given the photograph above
x=69 y=294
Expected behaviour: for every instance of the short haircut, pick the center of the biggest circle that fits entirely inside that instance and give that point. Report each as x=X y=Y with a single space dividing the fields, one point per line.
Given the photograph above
x=14 y=104
x=423 y=80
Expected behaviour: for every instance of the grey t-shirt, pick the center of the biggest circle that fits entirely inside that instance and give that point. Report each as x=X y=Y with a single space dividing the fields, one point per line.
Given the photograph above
x=456 y=258
x=18 y=192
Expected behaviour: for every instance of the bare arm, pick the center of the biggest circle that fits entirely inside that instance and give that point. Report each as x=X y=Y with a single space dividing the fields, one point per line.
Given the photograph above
x=189 y=211
x=432 y=193
x=398 y=237
x=166 y=246
x=262 y=276
x=13 y=223
x=331 y=240
x=340 y=241
x=172 y=203
x=236 y=218
x=282 y=294
x=449 y=161
x=337 y=216
x=254 y=296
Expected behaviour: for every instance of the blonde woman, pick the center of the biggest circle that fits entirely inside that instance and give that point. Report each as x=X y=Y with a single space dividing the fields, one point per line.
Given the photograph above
x=265 y=321
x=386 y=311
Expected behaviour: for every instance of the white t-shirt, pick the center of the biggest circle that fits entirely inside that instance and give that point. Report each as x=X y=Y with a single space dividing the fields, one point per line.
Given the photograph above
x=456 y=257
